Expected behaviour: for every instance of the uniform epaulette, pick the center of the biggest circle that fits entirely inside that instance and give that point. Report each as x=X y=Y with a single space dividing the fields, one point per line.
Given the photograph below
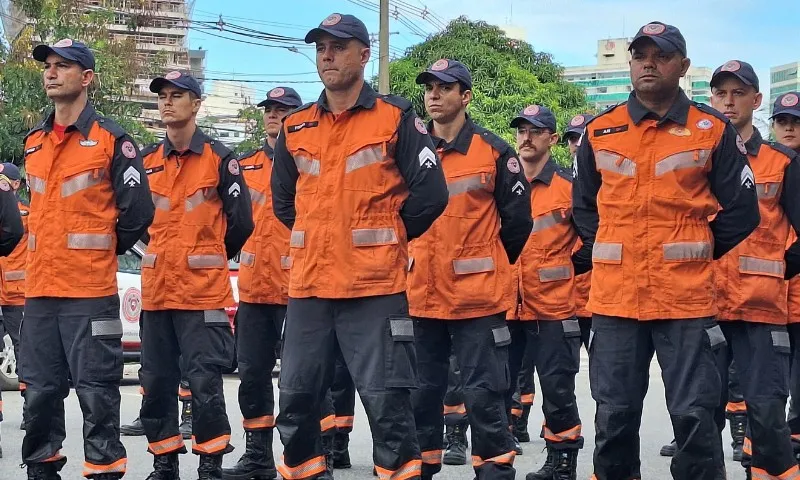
x=35 y=129
x=399 y=102
x=711 y=111
x=607 y=110
x=149 y=149
x=305 y=106
x=219 y=148
x=783 y=149
x=492 y=139
x=110 y=126
x=249 y=154
x=565 y=173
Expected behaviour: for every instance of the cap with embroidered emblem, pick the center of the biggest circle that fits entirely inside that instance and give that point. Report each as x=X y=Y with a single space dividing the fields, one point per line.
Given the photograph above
x=11 y=171
x=179 y=79
x=736 y=68
x=447 y=71
x=787 y=104
x=67 y=48
x=340 y=26
x=578 y=123
x=668 y=38
x=537 y=115
x=282 y=95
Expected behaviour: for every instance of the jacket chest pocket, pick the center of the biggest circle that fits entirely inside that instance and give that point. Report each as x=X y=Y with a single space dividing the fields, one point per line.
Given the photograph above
x=618 y=173
x=309 y=167
x=769 y=195
x=761 y=279
x=469 y=193
x=364 y=167
x=86 y=187
x=201 y=205
x=682 y=175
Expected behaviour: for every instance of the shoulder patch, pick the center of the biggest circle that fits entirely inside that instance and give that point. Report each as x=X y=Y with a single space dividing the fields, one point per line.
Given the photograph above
x=565 y=173
x=219 y=148
x=706 y=109
x=150 y=149
x=110 y=126
x=397 y=101
x=607 y=111
x=783 y=149
x=246 y=155
x=494 y=140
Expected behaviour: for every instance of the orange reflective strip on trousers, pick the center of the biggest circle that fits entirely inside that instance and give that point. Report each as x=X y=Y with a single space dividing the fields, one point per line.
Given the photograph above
x=184 y=393
x=117 y=467
x=517 y=412
x=344 y=422
x=168 y=445
x=454 y=409
x=432 y=457
x=761 y=474
x=215 y=445
x=736 y=407
x=307 y=469
x=409 y=470
x=573 y=433
x=267 y=421
x=747 y=447
x=507 y=458
x=327 y=423
x=526 y=399
x=54 y=458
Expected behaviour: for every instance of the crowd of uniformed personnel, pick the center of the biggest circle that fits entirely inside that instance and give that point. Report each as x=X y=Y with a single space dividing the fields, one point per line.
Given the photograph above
x=430 y=267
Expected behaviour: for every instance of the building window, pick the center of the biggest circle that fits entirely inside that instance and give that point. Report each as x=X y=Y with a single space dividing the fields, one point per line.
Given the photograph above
x=784 y=75
x=701 y=84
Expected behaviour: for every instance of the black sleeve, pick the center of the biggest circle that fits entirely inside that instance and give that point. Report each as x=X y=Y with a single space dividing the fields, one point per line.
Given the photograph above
x=790 y=201
x=11 y=229
x=582 y=258
x=418 y=163
x=235 y=196
x=585 y=185
x=284 y=182
x=512 y=192
x=733 y=183
x=132 y=193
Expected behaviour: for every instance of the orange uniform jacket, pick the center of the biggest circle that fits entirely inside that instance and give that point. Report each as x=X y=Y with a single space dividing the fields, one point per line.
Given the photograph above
x=203 y=217
x=460 y=268
x=794 y=300
x=544 y=273
x=12 y=281
x=354 y=188
x=89 y=199
x=750 y=278
x=644 y=190
x=264 y=262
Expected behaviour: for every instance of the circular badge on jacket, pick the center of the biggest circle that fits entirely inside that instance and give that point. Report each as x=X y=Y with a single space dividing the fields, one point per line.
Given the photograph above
x=420 y=125
x=705 y=124
x=128 y=149
x=233 y=167
x=513 y=165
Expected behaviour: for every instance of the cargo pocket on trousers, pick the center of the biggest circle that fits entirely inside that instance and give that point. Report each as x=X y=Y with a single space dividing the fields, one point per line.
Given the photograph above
x=104 y=355
x=716 y=338
x=501 y=380
x=220 y=338
x=780 y=342
x=400 y=355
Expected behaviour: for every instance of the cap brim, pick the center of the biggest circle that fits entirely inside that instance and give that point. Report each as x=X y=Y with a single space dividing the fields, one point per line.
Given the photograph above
x=662 y=43
x=158 y=83
x=428 y=75
x=535 y=122
x=716 y=78
x=286 y=102
x=312 y=35
x=41 y=52
x=574 y=131
x=789 y=111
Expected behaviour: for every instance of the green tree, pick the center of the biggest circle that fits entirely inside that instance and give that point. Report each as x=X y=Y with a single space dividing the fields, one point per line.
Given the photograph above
x=24 y=101
x=255 y=133
x=507 y=76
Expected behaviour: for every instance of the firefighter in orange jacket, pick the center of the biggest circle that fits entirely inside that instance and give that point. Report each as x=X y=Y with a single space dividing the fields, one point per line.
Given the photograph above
x=650 y=172
x=545 y=275
x=460 y=276
x=203 y=218
x=751 y=283
x=89 y=202
x=786 y=126
x=263 y=283
x=355 y=177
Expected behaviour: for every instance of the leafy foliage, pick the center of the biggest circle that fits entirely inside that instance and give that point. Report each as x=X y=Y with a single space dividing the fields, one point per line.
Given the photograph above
x=254 y=133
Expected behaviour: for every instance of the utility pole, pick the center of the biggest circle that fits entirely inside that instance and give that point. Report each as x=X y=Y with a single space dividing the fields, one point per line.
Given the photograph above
x=383 y=49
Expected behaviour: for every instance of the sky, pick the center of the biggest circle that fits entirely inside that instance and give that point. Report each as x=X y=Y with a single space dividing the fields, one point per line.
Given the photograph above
x=764 y=33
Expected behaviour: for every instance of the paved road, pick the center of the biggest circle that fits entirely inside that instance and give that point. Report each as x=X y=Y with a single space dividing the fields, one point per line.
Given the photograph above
x=656 y=429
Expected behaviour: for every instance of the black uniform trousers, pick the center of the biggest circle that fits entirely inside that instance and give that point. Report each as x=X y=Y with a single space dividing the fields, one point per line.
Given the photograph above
x=556 y=350
x=736 y=404
x=586 y=330
x=525 y=388
x=12 y=320
x=794 y=385
x=205 y=341
x=454 y=410
x=481 y=349
x=81 y=338
x=620 y=353
x=762 y=355
x=376 y=340
x=258 y=331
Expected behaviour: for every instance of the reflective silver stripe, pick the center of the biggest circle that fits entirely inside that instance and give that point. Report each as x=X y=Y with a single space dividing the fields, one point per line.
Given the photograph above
x=298 y=239
x=216 y=316
x=197 y=198
x=90 y=241
x=36 y=184
x=160 y=201
x=14 y=275
x=758 y=265
x=607 y=251
x=571 y=326
x=247 y=258
x=549 y=220
x=612 y=162
x=780 y=338
x=206 y=261
x=374 y=236
x=715 y=336
x=465 y=266
x=681 y=160
x=31 y=242
x=552 y=274
x=364 y=158
x=464 y=185
x=305 y=165
x=107 y=328
x=767 y=190
x=257 y=197
x=286 y=262
x=502 y=335
x=687 y=251
x=82 y=181
x=402 y=327
x=149 y=260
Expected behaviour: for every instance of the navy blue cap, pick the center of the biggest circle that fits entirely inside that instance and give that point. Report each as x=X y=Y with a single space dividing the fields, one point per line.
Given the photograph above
x=739 y=69
x=788 y=104
x=538 y=115
x=283 y=95
x=67 y=48
x=10 y=171
x=447 y=71
x=179 y=79
x=340 y=26
x=668 y=38
x=578 y=123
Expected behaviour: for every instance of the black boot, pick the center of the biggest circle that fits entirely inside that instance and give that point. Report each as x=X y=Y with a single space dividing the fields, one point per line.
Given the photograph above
x=517 y=447
x=738 y=424
x=257 y=461
x=327 y=450
x=46 y=471
x=133 y=429
x=210 y=467
x=566 y=465
x=186 y=420
x=521 y=425
x=455 y=452
x=1 y=449
x=341 y=453
x=546 y=472
x=669 y=449
x=165 y=467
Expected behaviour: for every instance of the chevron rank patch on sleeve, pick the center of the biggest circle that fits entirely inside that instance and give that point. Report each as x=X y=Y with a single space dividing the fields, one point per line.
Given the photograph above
x=132 y=177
